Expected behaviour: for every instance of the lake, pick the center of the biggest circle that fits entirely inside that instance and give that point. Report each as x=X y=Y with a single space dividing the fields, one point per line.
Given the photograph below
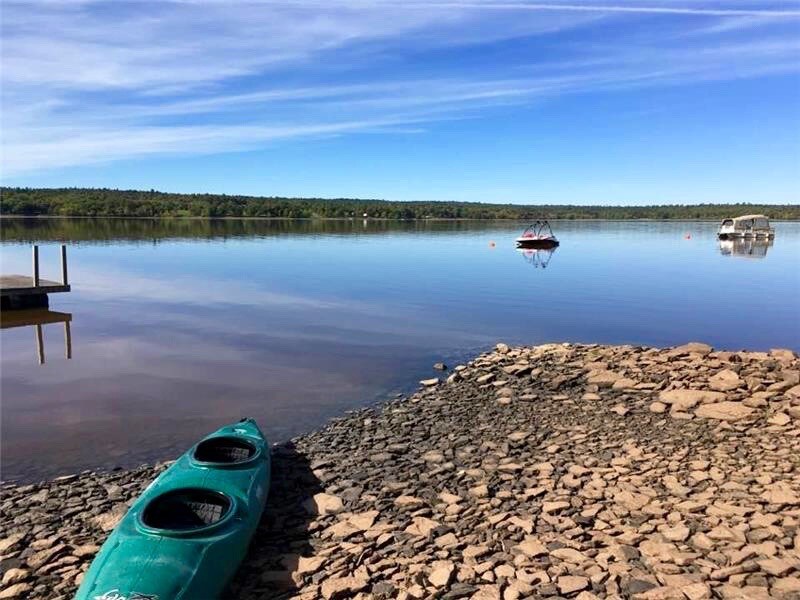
x=180 y=326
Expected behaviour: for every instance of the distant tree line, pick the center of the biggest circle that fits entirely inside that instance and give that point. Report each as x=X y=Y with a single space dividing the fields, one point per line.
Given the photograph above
x=81 y=202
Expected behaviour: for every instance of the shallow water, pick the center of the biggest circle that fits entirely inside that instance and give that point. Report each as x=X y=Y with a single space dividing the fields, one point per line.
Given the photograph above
x=178 y=327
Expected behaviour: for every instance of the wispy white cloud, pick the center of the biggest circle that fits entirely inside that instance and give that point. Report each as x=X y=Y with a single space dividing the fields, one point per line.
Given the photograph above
x=608 y=8
x=85 y=82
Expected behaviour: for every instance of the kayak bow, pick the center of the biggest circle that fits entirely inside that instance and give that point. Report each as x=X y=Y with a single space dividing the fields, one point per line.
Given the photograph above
x=184 y=538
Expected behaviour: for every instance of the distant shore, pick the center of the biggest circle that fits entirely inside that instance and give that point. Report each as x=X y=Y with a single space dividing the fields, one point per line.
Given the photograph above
x=577 y=471
x=93 y=202
x=376 y=219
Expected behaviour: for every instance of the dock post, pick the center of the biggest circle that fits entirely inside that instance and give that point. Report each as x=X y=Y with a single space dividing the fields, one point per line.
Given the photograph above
x=36 y=266
x=64 y=279
x=40 y=344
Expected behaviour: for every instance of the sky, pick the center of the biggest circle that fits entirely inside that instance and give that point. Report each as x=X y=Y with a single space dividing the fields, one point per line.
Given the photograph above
x=611 y=102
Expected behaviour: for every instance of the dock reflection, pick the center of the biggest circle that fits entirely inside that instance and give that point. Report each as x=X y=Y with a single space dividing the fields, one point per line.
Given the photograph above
x=538 y=257
x=745 y=248
x=38 y=318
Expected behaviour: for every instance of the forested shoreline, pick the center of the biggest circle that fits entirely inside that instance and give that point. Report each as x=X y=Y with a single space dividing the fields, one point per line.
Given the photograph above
x=80 y=202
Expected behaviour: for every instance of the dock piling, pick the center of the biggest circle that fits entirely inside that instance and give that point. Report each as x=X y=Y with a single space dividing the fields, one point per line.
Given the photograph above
x=64 y=279
x=35 y=266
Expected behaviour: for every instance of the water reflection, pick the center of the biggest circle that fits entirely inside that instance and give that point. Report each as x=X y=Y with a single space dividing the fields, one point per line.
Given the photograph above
x=538 y=257
x=747 y=248
x=37 y=318
x=186 y=324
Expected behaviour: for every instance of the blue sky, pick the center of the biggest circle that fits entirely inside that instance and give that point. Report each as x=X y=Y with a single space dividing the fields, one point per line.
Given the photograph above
x=616 y=102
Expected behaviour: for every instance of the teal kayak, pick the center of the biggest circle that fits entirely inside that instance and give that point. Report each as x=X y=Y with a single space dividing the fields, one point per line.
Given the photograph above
x=185 y=536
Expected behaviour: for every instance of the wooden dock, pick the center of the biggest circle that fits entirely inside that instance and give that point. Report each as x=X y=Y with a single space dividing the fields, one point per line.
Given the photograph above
x=30 y=291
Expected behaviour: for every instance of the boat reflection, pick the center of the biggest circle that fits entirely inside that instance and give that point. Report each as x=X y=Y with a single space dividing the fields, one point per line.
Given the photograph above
x=538 y=257
x=745 y=247
x=37 y=318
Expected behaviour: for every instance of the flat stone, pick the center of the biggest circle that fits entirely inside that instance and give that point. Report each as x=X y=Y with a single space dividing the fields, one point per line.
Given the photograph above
x=441 y=573
x=684 y=399
x=782 y=354
x=45 y=556
x=421 y=526
x=532 y=548
x=479 y=491
x=487 y=592
x=630 y=500
x=108 y=520
x=780 y=493
x=724 y=411
x=724 y=381
x=691 y=348
x=10 y=541
x=570 y=555
x=430 y=382
x=569 y=584
x=85 y=550
x=679 y=533
x=408 y=501
x=449 y=498
x=15 y=575
x=661 y=593
x=602 y=378
x=779 y=419
x=323 y=504
x=309 y=564
x=334 y=588
x=474 y=552
x=620 y=409
x=18 y=590
x=697 y=591
x=363 y=521
x=787 y=588
x=777 y=567
x=733 y=592
x=624 y=384
x=433 y=456
x=551 y=507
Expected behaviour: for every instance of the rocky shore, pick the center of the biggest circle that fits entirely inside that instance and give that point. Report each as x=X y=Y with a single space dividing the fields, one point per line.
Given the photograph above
x=558 y=471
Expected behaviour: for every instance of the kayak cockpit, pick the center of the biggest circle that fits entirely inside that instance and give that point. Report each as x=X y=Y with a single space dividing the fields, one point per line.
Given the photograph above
x=224 y=450
x=187 y=509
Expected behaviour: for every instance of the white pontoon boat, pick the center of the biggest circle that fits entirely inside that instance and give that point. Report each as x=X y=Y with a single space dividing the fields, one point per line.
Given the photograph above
x=747 y=226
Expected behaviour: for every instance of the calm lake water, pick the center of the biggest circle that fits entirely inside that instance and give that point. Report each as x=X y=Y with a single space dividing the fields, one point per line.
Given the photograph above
x=179 y=327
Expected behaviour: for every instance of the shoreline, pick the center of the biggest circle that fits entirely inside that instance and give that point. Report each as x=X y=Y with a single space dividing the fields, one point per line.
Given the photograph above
x=376 y=219
x=568 y=470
